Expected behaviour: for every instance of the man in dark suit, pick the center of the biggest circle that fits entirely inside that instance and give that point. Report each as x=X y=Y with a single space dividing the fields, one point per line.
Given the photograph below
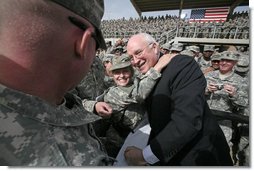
x=183 y=130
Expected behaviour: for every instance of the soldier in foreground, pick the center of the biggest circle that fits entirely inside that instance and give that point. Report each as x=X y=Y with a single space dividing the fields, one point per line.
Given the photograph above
x=44 y=54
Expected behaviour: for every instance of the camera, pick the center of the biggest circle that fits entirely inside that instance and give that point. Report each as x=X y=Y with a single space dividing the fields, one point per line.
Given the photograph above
x=219 y=86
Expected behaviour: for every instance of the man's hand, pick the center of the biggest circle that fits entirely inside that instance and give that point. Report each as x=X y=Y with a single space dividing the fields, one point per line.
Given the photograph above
x=134 y=156
x=103 y=109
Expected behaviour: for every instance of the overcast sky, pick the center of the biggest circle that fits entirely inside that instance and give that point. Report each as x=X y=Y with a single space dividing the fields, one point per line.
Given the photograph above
x=116 y=9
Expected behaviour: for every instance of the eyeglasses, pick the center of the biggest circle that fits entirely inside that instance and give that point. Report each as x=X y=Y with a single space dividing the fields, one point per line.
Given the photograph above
x=139 y=53
x=83 y=27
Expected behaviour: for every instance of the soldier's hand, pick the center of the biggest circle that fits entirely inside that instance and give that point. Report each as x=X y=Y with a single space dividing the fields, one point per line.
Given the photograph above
x=212 y=87
x=163 y=61
x=103 y=109
x=230 y=89
x=134 y=156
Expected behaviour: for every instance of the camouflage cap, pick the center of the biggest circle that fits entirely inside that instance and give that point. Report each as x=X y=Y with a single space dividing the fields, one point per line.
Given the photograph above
x=243 y=64
x=209 y=48
x=216 y=57
x=242 y=69
x=230 y=55
x=108 y=57
x=194 y=48
x=91 y=10
x=166 y=46
x=122 y=61
x=187 y=52
x=177 y=47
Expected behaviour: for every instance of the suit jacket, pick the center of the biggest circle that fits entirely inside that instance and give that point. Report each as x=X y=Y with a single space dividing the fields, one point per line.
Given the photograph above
x=183 y=130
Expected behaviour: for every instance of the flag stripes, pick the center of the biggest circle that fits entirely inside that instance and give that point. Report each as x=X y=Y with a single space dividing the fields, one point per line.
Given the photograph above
x=210 y=14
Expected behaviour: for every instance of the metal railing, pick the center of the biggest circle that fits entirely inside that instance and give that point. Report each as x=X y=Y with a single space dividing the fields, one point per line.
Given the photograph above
x=212 y=32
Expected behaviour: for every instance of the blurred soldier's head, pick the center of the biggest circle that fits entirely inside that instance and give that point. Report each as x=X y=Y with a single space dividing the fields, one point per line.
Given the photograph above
x=107 y=63
x=242 y=67
x=195 y=50
x=165 y=48
x=208 y=51
x=176 y=48
x=215 y=60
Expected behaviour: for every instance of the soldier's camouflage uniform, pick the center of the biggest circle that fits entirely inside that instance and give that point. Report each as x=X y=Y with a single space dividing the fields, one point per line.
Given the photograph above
x=126 y=101
x=243 y=151
x=204 y=64
x=108 y=81
x=128 y=107
x=35 y=133
x=220 y=100
x=92 y=85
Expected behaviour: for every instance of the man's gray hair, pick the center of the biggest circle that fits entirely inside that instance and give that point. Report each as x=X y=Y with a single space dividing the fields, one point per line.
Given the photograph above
x=148 y=38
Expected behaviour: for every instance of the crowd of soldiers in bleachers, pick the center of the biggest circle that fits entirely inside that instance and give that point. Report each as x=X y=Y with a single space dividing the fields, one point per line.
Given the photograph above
x=209 y=57
x=166 y=28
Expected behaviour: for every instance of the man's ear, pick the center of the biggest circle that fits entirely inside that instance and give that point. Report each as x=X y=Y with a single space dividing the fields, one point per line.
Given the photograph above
x=83 y=42
x=156 y=48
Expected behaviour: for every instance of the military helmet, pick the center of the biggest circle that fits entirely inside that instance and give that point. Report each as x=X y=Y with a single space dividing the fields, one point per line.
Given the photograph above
x=120 y=62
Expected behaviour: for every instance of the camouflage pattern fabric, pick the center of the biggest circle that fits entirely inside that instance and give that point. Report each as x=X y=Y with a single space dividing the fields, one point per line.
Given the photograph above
x=89 y=89
x=204 y=64
x=128 y=108
x=92 y=10
x=92 y=85
x=109 y=82
x=219 y=100
x=35 y=133
x=126 y=101
x=122 y=116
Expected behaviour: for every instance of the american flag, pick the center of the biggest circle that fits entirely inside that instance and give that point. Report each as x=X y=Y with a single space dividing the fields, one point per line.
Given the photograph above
x=209 y=14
